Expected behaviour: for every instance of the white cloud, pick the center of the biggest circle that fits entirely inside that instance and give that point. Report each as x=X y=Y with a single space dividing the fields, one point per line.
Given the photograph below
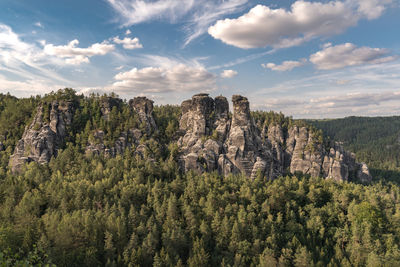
x=76 y=55
x=128 y=43
x=340 y=56
x=263 y=26
x=207 y=12
x=38 y=24
x=180 y=78
x=364 y=90
x=128 y=32
x=25 y=61
x=137 y=11
x=197 y=15
x=285 y=66
x=340 y=105
x=228 y=73
x=372 y=9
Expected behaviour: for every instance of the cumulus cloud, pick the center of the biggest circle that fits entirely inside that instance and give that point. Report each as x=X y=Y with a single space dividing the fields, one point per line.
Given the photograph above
x=372 y=9
x=128 y=43
x=263 y=26
x=180 y=78
x=228 y=73
x=197 y=15
x=76 y=55
x=128 y=32
x=348 y=54
x=285 y=66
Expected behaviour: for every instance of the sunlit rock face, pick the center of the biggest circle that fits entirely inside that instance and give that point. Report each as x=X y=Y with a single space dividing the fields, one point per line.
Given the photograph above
x=44 y=135
x=211 y=139
x=215 y=140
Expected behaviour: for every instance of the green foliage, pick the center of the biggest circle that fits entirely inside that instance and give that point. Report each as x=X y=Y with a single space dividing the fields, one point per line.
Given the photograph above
x=90 y=210
x=374 y=140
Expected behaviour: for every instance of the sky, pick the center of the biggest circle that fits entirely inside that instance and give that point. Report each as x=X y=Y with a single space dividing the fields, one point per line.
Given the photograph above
x=307 y=59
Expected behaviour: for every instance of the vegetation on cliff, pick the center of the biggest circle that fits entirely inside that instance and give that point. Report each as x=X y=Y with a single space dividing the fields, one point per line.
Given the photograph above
x=139 y=209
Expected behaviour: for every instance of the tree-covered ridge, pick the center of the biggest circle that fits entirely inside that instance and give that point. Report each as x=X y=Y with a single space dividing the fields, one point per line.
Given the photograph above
x=124 y=210
x=374 y=140
x=84 y=209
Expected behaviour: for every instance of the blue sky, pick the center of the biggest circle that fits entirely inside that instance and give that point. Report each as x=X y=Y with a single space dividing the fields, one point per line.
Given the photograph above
x=308 y=59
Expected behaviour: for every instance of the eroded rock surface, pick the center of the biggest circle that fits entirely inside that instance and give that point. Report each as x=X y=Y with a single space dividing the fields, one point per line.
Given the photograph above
x=144 y=108
x=213 y=141
x=44 y=136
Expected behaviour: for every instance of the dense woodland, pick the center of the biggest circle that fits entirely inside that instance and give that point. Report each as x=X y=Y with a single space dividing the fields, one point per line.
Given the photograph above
x=376 y=141
x=87 y=210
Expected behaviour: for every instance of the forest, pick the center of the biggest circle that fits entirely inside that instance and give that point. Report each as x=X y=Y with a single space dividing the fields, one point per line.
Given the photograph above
x=92 y=210
x=375 y=140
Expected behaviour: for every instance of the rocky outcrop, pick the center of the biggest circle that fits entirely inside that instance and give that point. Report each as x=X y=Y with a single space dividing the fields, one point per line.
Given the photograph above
x=245 y=148
x=144 y=108
x=200 y=150
x=107 y=104
x=212 y=141
x=306 y=154
x=44 y=136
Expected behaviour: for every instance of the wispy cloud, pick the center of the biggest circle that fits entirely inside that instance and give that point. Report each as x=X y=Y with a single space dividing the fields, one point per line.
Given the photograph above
x=242 y=60
x=26 y=63
x=39 y=24
x=196 y=16
x=285 y=65
x=360 y=90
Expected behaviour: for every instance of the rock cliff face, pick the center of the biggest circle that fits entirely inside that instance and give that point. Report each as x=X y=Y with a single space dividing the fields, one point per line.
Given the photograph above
x=213 y=141
x=305 y=154
x=144 y=108
x=44 y=135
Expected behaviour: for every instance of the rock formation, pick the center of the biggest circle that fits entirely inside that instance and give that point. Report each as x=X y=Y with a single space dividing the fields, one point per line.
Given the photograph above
x=211 y=140
x=144 y=108
x=107 y=104
x=44 y=135
x=200 y=151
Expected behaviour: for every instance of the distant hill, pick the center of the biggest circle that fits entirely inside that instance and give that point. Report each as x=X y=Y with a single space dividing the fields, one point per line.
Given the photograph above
x=375 y=140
